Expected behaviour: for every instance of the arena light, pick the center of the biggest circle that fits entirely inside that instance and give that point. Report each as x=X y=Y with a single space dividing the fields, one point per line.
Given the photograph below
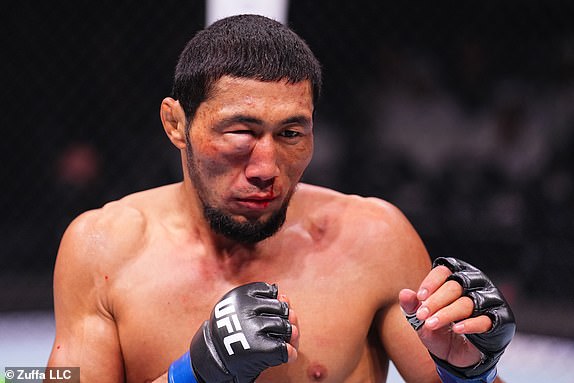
x=218 y=9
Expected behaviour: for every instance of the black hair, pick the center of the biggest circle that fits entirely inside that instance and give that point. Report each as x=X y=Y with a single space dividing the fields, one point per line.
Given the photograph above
x=244 y=46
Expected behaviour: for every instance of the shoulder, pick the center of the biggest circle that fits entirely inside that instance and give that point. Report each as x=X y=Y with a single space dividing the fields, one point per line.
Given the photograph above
x=121 y=224
x=370 y=212
x=372 y=229
x=118 y=225
x=101 y=241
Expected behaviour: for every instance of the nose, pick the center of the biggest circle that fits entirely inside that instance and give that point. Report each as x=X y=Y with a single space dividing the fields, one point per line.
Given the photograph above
x=262 y=168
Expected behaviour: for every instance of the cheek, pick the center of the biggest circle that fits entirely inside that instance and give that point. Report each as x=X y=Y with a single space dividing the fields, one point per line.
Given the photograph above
x=216 y=159
x=296 y=161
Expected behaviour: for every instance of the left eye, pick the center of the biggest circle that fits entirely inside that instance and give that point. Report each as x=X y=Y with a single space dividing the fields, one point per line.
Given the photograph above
x=290 y=133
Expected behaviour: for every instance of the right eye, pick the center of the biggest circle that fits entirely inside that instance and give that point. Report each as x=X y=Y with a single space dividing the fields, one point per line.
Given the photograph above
x=241 y=131
x=239 y=140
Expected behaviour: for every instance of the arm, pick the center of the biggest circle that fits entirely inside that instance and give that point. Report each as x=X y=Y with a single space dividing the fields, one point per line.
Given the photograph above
x=409 y=350
x=404 y=254
x=86 y=334
x=403 y=347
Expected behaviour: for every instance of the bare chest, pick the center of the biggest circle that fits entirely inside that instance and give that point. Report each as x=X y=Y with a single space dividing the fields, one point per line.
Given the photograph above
x=159 y=307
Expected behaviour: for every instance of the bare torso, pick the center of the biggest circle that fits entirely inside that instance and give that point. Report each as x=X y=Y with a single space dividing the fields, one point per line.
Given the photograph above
x=159 y=282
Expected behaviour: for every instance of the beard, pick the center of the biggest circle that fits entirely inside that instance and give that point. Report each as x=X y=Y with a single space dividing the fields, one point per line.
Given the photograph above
x=223 y=223
x=244 y=232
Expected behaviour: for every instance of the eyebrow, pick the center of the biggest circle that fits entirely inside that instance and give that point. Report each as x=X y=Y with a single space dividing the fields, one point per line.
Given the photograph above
x=245 y=119
x=299 y=120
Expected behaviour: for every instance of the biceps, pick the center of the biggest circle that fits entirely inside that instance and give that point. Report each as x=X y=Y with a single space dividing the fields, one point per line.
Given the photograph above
x=86 y=334
x=91 y=343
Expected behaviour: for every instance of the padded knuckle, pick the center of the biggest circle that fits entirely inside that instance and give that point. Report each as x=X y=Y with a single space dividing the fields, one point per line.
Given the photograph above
x=470 y=280
x=284 y=310
x=453 y=264
x=486 y=300
x=288 y=331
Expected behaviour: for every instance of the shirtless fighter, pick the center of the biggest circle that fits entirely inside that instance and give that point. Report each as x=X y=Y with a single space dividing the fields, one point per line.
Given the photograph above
x=249 y=274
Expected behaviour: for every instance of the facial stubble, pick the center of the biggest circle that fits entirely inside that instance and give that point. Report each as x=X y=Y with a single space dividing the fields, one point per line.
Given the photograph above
x=244 y=231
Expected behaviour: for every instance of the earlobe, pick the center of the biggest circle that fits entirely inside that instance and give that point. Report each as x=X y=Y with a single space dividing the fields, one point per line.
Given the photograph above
x=173 y=120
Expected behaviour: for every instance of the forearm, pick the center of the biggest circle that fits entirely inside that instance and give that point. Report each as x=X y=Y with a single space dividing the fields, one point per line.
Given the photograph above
x=180 y=371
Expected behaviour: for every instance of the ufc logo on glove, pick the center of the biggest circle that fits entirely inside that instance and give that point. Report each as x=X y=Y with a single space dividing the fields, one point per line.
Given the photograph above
x=226 y=311
x=250 y=315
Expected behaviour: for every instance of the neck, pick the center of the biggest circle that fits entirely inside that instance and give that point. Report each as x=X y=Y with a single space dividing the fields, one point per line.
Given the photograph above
x=238 y=261
x=223 y=246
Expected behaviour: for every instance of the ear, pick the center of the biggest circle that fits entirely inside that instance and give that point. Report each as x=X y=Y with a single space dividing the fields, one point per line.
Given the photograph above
x=173 y=120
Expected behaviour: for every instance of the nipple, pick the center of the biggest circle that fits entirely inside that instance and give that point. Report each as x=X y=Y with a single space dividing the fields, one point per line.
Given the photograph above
x=316 y=372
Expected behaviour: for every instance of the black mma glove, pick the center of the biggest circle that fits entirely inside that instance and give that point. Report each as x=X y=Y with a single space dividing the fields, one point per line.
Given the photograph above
x=246 y=334
x=488 y=300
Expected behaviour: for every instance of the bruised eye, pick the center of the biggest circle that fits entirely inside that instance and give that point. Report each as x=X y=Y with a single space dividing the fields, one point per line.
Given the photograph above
x=238 y=140
x=243 y=131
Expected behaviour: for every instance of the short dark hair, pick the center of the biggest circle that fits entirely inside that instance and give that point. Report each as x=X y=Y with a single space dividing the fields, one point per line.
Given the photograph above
x=244 y=46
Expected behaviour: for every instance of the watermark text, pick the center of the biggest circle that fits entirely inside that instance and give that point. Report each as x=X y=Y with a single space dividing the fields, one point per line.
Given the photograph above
x=42 y=374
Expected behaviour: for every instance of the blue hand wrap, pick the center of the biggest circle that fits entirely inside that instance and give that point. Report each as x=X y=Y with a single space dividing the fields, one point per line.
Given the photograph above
x=447 y=377
x=181 y=371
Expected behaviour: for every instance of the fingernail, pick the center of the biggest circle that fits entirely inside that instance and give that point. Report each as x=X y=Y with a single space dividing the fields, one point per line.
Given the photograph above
x=431 y=322
x=422 y=294
x=458 y=327
x=423 y=312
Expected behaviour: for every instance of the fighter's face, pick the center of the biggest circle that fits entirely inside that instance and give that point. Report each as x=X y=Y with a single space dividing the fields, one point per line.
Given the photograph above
x=247 y=148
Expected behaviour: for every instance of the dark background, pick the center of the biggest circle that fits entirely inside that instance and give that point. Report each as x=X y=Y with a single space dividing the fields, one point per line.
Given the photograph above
x=460 y=113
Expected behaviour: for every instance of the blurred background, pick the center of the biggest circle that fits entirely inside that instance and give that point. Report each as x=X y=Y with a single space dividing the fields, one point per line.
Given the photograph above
x=460 y=113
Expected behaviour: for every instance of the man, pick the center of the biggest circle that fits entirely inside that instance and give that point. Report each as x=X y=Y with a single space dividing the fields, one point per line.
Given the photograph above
x=138 y=280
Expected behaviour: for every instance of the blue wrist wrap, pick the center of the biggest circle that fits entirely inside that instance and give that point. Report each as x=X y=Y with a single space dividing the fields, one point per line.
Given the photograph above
x=181 y=371
x=447 y=377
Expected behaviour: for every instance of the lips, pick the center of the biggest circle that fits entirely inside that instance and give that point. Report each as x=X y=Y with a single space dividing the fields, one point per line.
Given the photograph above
x=256 y=202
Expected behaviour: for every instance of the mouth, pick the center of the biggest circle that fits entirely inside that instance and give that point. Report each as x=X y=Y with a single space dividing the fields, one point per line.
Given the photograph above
x=255 y=202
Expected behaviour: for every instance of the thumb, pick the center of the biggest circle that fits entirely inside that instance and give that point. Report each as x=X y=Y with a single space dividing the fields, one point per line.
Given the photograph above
x=409 y=304
x=408 y=301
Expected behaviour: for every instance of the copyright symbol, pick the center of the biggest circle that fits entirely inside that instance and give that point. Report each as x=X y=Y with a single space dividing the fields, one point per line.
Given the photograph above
x=9 y=374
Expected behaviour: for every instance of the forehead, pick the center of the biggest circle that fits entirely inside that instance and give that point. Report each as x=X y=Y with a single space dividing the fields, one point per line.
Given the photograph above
x=231 y=94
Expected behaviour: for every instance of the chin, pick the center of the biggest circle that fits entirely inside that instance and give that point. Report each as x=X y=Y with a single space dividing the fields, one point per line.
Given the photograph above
x=244 y=229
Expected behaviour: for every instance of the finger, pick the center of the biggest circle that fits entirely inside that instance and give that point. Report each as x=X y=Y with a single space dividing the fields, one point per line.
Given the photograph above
x=268 y=302
x=457 y=311
x=294 y=329
x=263 y=290
x=273 y=307
x=284 y=298
x=434 y=280
x=291 y=352
x=275 y=327
x=446 y=294
x=294 y=341
x=408 y=301
x=475 y=325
